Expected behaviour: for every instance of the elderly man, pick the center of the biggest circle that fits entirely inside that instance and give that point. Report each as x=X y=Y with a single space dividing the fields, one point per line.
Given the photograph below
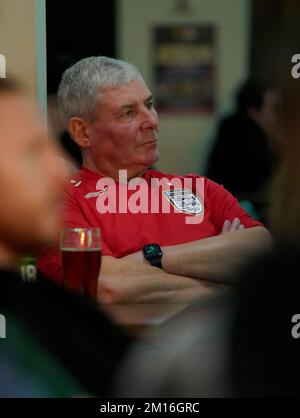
x=52 y=343
x=149 y=255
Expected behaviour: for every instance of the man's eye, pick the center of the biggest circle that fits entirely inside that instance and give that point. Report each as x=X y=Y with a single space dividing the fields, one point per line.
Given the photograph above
x=150 y=105
x=129 y=113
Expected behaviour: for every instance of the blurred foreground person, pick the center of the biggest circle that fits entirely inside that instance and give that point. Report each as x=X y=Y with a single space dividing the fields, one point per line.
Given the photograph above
x=265 y=344
x=188 y=357
x=266 y=334
x=52 y=343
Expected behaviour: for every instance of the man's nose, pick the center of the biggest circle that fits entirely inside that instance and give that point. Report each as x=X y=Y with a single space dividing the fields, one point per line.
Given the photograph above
x=150 y=119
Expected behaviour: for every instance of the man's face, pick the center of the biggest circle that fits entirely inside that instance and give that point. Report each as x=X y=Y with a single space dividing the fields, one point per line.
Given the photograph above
x=31 y=177
x=125 y=132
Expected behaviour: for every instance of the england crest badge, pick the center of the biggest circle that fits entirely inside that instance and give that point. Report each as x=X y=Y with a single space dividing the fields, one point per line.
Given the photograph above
x=185 y=200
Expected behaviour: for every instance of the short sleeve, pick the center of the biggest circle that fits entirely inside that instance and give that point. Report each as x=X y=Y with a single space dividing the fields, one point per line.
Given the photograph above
x=224 y=206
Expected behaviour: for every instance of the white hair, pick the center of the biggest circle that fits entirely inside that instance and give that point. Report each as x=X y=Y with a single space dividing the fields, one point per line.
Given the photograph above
x=81 y=85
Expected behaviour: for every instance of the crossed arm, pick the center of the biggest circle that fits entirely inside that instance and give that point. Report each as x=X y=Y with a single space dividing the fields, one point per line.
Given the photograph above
x=190 y=271
x=122 y=281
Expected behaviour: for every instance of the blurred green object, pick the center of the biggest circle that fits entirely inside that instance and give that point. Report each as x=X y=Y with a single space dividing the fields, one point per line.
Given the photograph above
x=28 y=268
x=249 y=207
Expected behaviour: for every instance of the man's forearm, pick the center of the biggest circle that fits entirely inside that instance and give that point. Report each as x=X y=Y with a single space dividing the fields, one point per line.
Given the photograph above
x=121 y=282
x=215 y=258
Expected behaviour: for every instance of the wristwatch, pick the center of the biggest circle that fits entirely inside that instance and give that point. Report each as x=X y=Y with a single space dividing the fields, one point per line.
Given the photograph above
x=153 y=253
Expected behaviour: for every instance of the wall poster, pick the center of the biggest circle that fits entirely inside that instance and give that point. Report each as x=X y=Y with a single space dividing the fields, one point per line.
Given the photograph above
x=184 y=68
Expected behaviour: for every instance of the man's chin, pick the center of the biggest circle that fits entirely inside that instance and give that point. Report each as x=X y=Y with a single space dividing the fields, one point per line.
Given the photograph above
x=153 y=159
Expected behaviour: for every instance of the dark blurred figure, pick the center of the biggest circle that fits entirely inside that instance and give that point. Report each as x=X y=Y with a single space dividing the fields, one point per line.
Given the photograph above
x=56 y=66
x=56 y=343
x=265 y=356
x=188 y=356
x=245 y=150
x=266 y=335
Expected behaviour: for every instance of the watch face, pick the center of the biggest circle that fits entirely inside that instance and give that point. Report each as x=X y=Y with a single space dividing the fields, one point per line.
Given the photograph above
x=152 y=251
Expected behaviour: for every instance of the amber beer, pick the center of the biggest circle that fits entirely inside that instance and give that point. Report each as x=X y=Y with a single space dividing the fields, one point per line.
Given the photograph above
x=81 y=259
x=81 y=269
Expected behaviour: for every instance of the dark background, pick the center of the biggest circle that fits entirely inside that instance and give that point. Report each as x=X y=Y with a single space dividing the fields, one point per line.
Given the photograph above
x=77 y=30
x=74 y=32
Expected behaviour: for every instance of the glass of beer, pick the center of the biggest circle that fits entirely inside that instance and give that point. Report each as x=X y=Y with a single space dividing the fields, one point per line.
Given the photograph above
x=81 y=259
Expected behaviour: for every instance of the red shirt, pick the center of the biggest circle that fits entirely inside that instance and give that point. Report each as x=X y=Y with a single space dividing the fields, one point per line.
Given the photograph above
x=199 y=200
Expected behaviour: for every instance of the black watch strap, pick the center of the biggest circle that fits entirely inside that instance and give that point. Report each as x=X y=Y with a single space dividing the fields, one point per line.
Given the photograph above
x=153 y=254
x=156 y=262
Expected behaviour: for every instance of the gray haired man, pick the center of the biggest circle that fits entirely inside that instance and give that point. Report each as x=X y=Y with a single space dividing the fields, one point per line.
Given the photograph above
x=148 y=256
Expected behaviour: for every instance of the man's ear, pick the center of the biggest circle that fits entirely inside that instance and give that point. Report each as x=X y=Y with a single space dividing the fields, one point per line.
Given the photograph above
x=77 y=128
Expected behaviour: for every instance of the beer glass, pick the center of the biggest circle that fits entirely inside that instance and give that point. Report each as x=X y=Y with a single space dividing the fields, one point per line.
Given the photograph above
x=81 y=259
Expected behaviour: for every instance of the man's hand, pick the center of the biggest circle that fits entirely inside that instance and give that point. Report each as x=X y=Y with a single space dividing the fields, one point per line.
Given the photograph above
x=217 y=258
x=231 y=226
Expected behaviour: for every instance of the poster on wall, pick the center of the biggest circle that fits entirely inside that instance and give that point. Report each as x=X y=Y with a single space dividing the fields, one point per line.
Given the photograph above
x=184 y=68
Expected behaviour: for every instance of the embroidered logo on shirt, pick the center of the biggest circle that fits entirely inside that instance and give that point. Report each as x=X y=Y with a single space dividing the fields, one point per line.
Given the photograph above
x=185 y=200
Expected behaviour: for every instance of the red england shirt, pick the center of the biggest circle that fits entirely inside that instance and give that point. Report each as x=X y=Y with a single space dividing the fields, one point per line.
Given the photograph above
x=157 y=208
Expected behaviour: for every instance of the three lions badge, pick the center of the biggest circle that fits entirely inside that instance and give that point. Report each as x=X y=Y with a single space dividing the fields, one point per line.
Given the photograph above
x=185 y=200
